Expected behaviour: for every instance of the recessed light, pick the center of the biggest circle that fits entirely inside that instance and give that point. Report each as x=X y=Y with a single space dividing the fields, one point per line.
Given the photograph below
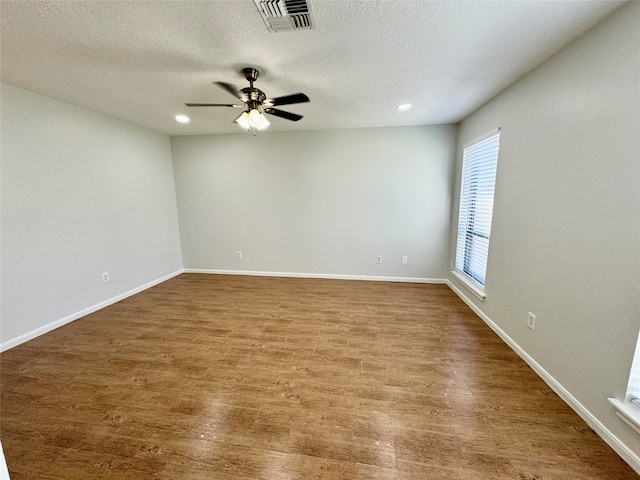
x=404 y=107
x=182 y=119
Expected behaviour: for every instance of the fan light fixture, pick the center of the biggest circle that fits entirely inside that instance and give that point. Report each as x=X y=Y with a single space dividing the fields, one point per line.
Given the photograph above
x=243 y=121
x=253 y=119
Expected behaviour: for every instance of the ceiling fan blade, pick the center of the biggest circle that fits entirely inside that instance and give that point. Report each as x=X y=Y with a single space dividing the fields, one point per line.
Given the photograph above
x=229 y=88
x=287 y=99
x=294 y=117
x=212 y=105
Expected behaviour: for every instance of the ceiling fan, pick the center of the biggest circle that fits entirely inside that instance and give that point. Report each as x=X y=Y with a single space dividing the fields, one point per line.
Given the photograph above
x=256 y=103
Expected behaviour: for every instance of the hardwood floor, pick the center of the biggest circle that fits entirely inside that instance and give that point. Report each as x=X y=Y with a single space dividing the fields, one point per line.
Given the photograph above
x=224 y=377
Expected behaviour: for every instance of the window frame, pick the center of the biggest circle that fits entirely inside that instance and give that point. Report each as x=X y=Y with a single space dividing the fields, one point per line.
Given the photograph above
x=628 y=409
x=467 y=221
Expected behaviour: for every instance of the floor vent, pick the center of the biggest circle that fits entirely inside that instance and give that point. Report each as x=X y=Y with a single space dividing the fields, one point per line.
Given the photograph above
x=286 y=15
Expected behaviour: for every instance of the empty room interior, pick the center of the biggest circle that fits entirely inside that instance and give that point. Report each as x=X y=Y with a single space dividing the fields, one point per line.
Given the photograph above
x=226 y=252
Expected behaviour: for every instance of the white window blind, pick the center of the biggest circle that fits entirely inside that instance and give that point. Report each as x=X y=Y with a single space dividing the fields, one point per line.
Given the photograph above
x=476 y=206
x=633 y=389
x=629 y=409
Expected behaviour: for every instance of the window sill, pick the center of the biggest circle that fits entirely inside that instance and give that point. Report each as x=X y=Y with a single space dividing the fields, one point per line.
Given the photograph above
x=475 y=289
x=628 y=413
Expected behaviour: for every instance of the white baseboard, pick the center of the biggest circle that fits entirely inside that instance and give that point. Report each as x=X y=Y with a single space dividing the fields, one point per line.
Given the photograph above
x=613 y=441
x=14 y=342
x=319 y=275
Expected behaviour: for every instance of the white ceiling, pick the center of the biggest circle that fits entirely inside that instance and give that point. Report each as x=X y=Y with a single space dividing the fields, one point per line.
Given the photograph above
x=141 y=61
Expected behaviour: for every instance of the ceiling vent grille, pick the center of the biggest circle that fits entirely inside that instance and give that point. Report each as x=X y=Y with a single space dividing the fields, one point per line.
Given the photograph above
x=286 y=15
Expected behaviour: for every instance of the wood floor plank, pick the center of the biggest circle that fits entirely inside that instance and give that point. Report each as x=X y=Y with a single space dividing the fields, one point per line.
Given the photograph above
x=236 y=377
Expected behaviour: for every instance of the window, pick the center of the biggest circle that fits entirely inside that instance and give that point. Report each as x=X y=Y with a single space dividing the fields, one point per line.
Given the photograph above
x=629 y=408
x=476 y=206
x=633 y=389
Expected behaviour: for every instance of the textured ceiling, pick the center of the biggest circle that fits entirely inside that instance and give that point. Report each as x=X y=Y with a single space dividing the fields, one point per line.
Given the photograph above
x=141 y=61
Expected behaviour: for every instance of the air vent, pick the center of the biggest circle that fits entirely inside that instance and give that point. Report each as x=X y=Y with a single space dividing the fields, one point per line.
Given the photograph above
x=286 y=15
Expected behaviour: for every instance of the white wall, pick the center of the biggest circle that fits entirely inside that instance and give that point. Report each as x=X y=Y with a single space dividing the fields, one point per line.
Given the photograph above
x=82 y=194
x=319 y=202
x=4 y=471
x=565 y=239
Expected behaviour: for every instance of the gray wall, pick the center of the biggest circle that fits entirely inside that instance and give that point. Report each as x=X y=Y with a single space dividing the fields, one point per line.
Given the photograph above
x=565 y=240
x=317 y=202
x=82 y=194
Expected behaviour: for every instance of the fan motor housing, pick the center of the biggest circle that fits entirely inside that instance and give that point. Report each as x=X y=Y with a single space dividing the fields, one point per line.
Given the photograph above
x=254 y=94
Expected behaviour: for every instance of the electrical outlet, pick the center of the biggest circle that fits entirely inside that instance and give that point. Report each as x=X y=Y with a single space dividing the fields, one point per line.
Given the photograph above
x=105 y=277
x=405 y=260
x=239 y=255
x=378 y=258
x=531 y=321
x=451 y=265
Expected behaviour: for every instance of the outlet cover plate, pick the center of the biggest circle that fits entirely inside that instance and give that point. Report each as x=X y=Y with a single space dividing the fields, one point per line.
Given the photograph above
x=531 y=321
